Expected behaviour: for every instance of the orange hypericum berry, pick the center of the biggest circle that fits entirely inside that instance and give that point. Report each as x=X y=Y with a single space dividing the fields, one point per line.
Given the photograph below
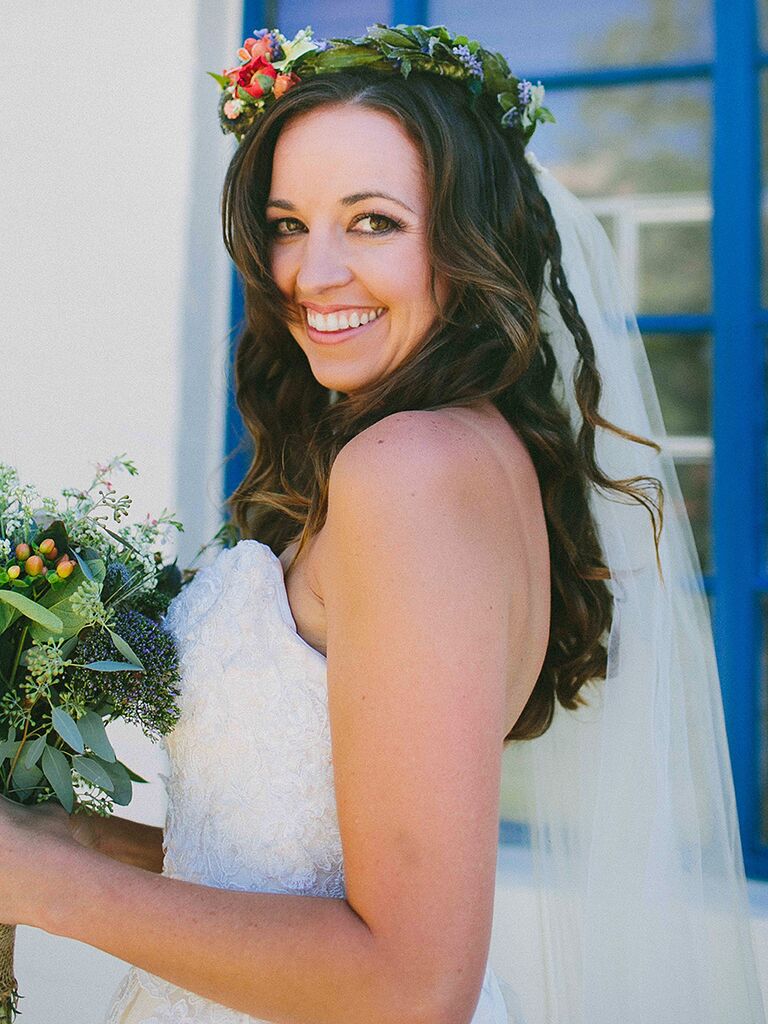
x=34 y=565
x=13 y=571
x=64 y=568
x=47 y=547
x=23 y=551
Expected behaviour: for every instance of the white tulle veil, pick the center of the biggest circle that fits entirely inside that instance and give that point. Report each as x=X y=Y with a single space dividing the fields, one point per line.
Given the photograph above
x=638 y=874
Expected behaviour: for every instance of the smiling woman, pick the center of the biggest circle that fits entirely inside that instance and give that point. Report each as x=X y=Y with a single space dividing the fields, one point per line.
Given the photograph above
x=481 y=565
x=336 y=253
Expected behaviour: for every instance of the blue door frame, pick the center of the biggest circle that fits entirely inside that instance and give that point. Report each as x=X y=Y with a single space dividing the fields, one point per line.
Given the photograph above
x=738 y=326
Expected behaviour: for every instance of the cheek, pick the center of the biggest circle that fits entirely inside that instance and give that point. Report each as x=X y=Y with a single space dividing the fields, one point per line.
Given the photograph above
x=279 y=266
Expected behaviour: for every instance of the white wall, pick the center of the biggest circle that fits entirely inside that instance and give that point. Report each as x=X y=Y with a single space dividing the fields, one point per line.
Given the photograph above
x=114 y=296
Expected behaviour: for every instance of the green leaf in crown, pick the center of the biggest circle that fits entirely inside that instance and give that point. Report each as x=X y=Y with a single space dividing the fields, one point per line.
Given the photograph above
x=277 y=64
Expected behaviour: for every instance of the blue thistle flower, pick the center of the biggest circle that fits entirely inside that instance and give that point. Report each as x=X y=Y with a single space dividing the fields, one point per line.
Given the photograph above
x=147 y=698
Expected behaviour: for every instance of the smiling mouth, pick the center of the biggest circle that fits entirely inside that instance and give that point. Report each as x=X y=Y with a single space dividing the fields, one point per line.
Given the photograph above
x=331 y=337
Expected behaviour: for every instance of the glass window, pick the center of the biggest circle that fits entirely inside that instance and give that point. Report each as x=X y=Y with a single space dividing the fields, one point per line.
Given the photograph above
x=674 y=265
x=594 y=33
x=640 y=155
x=331 y=17
x=681 y=365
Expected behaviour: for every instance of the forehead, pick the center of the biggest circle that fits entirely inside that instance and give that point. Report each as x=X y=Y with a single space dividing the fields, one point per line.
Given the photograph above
x=339 y=150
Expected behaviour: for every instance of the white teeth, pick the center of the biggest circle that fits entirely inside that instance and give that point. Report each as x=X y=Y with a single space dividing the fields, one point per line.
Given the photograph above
x=341 y=321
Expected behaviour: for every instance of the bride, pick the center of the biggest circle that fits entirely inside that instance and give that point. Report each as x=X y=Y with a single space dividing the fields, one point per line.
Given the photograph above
x=460 y=533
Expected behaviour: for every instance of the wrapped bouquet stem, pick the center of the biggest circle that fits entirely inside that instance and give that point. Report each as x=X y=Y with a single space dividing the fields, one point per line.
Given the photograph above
x=82 y=643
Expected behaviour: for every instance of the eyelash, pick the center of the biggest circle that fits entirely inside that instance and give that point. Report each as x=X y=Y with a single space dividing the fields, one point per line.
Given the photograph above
x=396 y=225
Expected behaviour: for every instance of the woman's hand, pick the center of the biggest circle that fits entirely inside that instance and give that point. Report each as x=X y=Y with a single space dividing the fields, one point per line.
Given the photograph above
x=30 y=839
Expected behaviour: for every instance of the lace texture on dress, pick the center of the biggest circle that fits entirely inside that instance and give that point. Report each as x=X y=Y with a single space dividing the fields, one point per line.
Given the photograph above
x=251 y=803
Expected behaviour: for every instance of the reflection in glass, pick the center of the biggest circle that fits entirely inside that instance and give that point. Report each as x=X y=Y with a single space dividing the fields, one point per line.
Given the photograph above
x=694 y=475
x=681 y=365
x=674 y=260
x=595 y=33
x=642 y=141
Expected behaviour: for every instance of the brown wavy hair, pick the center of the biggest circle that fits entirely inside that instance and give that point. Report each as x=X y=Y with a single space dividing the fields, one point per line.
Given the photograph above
x=491 y=234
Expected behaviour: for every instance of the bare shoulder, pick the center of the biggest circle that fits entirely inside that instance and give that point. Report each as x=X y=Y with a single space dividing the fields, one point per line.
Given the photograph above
x=476 y=464
x=401 y=433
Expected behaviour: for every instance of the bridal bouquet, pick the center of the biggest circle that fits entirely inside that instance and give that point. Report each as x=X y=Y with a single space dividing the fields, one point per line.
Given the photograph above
x=81 y=644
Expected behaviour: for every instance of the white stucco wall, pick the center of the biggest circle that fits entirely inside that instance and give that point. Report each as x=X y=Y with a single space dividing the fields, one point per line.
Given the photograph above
x=114 y=294
x=114 y=298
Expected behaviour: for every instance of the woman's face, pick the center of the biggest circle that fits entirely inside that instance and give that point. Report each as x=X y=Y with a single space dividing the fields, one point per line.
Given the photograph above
x=347 y=213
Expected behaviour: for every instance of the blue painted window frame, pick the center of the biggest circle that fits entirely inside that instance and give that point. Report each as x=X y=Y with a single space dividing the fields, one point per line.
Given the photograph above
x=738 y=325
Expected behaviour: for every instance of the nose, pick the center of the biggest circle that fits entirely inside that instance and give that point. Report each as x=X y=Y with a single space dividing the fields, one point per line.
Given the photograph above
x=323 y=264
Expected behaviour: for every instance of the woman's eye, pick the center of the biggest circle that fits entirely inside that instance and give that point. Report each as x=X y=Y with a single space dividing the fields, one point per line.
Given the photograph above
x=389 y=224
x=275 y=224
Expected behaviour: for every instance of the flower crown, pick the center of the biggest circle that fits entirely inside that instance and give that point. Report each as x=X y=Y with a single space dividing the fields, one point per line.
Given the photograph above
x=270 y=63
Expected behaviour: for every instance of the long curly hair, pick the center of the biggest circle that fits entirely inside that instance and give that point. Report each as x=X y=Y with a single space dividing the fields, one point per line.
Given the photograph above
x=491 y=234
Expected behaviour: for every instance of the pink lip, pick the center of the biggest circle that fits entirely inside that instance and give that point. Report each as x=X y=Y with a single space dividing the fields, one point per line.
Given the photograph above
x=337 y=337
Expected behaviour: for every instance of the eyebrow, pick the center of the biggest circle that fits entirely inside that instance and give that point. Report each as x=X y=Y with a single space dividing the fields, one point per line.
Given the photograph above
x=356 y=197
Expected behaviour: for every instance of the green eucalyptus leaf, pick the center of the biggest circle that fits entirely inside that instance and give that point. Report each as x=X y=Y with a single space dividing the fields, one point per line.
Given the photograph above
x=113 y=666
x=26 y=778
x=33 y=610
x=132 y=775
x=86 y=570
x=125 y=649
x=33 y=751
x=123 y=791
x=91 y=769
x=66 y=727
x=8 y=616
x=8 y=749
x=95 y=736
x=58 y=771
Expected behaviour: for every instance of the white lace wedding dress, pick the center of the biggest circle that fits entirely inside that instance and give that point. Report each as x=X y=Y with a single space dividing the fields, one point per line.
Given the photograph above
x=250 y=794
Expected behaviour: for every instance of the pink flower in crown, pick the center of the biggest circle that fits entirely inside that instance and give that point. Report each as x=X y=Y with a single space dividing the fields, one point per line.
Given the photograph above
x=245 y=77
x=285 y=82
x=253 y=48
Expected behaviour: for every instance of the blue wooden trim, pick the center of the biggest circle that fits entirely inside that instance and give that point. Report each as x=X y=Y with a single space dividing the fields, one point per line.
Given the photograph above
x=676 y=323
x=630 y=75
x=737 y=409
x=410 y=12
x=235 y=436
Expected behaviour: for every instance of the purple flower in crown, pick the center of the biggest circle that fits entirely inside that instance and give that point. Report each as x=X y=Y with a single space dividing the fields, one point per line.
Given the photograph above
x=524 y=92
x=469 y=60
x=275 y=49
